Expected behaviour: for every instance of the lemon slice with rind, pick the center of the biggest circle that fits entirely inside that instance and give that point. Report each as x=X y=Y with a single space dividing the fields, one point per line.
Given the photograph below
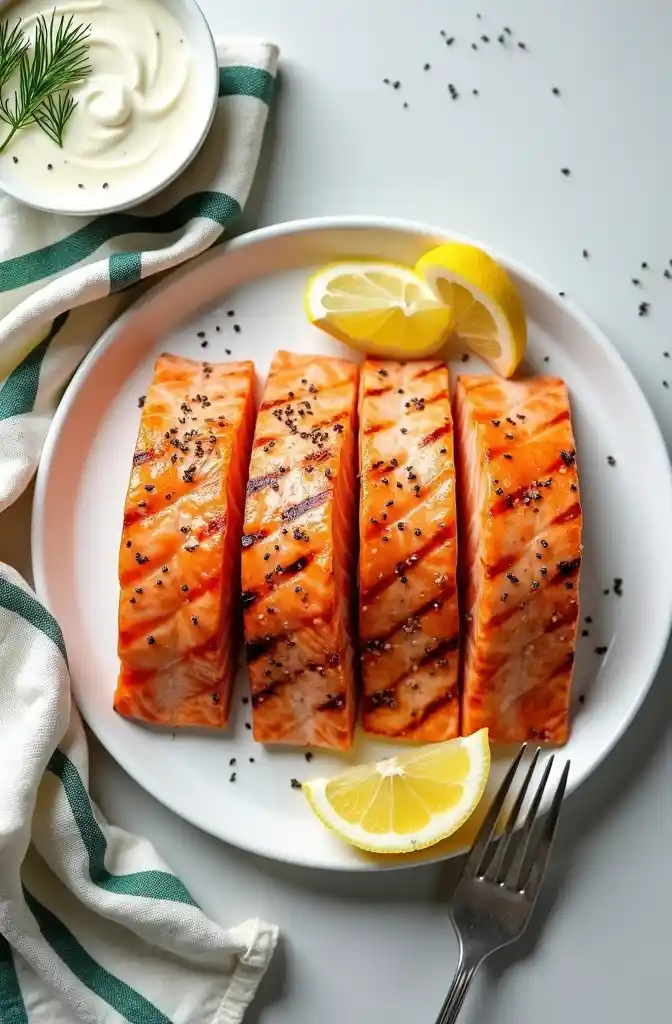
x=380 y=308
x=407 y=802
x=487 y=311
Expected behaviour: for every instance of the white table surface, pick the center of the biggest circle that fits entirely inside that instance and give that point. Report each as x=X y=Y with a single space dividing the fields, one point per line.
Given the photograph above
x=380 y=948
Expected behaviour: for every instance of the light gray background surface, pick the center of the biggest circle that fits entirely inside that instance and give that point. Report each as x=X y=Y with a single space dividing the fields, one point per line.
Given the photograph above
x=380 y=948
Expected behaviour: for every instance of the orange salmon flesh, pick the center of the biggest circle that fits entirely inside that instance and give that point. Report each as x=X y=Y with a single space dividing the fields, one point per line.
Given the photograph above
x=180 y=546
x=297 y=561
x=520 y=555
x=408 y=607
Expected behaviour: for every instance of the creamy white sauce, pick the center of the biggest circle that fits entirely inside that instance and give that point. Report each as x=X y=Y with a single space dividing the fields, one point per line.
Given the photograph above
x=135 y=110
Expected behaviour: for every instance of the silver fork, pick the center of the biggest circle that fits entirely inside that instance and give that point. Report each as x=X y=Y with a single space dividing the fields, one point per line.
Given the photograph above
x=500 y=883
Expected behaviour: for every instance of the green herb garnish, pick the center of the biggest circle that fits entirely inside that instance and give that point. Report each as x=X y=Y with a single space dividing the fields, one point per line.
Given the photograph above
x=57 y=60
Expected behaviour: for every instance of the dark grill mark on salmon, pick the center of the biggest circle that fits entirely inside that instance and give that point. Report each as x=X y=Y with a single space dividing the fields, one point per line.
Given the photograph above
x=294 y=512
x=335 y=703
x=258 y=483
x=503 y=565
x=427 y=371
x=573 y=512
x=431 y=709
x=146 y=456
x=439 y=538
x=436 y=434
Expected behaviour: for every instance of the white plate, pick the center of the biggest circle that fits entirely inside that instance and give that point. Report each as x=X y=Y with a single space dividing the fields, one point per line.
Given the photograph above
x=83 y=476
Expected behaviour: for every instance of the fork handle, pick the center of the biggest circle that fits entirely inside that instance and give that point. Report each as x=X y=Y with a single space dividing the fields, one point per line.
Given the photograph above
x=458 y=991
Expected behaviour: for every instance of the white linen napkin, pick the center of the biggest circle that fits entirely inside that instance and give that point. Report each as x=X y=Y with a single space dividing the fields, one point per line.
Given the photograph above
x=93 y=925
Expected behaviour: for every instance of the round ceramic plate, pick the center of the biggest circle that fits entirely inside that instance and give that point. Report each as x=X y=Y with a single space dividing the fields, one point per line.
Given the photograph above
x=255 y=284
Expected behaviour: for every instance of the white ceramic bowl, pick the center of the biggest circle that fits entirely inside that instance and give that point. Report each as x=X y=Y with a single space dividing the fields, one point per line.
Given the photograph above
x=197 y=32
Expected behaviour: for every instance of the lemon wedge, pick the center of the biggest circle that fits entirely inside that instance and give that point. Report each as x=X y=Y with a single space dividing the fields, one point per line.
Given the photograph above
x=407 y=802
x=380 y=308
x=487 y=311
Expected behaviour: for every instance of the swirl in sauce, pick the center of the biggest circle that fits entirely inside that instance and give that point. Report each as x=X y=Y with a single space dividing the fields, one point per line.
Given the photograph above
x=133 y=110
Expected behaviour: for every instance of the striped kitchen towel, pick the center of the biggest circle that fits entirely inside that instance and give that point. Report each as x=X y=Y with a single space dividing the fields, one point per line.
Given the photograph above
x=93 y=925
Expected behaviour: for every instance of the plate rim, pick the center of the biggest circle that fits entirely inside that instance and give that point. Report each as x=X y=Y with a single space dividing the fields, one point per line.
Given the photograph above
x=308 y=226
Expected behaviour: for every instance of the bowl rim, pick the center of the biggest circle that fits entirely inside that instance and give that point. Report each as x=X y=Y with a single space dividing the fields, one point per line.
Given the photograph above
x=206 y=51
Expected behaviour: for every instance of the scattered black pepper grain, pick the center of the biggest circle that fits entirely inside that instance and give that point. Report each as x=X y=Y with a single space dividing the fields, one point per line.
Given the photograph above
x=232 y=777
x=475 y=92
x=582 y=699
x=618 y=587
x=522 y=46
x=643 y=309
x=473 y=46
x=547 y=359
x=200 y=334
x=606 y=591
x=601 y=650
x=227 y=351
x=588 y=619
x=141 y=401
x=15 y=159
x=544 y=543
x=585 y=254
x=295 y=784
x=485 y=39
x=308 y=756
x=636 y=281
x=204 y=344
x=396 y=85
x=450 y=41
x=427 y=67
x=80 y=185
x=555 y=90
x=247 y=725
x=386 y=81
x=645 y=266
x=561 y=294
x=611 y=460
x=232 y=762
x=508 y=30
x=585 y=632
x=566 y=171
x=405 y=106
x=151 y=641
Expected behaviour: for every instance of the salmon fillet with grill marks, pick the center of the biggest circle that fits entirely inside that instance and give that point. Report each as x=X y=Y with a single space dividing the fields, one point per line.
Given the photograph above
x=408 y=617
x=521 y=555
x=180 y=546
x=298 y=553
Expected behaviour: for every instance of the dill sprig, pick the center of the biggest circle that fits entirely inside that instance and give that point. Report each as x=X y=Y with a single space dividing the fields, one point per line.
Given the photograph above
x=13 y=46
x=57 y=60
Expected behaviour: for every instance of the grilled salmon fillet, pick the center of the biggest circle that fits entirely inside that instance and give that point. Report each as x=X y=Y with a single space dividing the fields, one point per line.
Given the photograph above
x=408 y=610
x=298 y=553
x=521 y=555
x=180 y=545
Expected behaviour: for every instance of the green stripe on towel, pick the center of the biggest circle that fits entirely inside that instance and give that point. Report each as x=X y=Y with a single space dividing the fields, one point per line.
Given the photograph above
x=158 y=885
x=14 y=599
x=115 y=992
x=18 y=393
x=125 y=269
x=245 y=81
x=71 y=250
x=12 y=1006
